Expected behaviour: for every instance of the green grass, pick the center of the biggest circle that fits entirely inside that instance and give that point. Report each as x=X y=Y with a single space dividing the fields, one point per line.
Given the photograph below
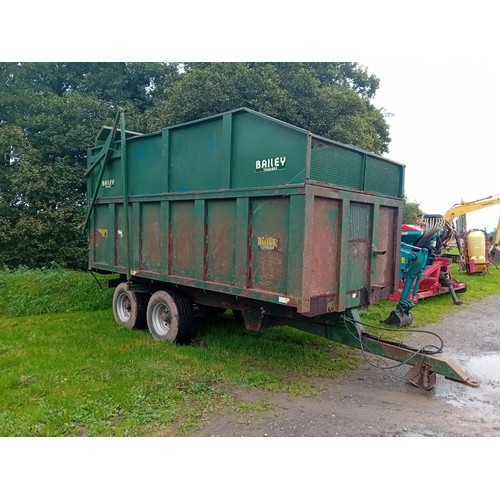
x=79 y=373
x=73 y=371
x=76 y=372
x=27 y=292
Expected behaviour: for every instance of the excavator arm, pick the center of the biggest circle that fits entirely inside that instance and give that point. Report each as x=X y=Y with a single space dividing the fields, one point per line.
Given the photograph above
x=471 y=206
x=415 y=260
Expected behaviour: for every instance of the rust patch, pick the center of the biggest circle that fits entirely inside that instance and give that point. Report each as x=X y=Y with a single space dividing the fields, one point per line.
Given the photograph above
x=322 y=304
x=101 y=235
x=358 y=263
x=181 y=238
x=270 y=222
x=220 y=241
x=250 y=256
x=323 y=264
x=150 y=237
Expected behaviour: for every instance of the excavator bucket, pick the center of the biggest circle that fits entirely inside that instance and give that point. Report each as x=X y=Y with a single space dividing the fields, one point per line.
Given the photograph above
x=399 y=318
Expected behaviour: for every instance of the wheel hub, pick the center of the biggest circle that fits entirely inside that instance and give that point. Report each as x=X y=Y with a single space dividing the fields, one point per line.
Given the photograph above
x=162 y=319
x=124 y=307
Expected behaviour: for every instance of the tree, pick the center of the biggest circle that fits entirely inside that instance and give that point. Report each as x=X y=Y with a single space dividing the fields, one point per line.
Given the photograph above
x=330 y=99
x=411 y=211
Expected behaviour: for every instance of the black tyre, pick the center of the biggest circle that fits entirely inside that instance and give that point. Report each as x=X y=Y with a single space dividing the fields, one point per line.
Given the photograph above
x=188 y=318
x=170 y=317
x=129 y=308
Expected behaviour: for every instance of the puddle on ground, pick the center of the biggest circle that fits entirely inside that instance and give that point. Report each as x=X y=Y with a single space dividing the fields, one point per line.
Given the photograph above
x=485 y=369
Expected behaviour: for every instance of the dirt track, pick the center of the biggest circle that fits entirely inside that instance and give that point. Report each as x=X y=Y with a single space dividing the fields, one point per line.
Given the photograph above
x=375 y=402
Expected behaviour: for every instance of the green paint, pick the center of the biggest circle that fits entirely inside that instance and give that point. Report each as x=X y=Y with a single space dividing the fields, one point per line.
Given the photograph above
x=188 y=205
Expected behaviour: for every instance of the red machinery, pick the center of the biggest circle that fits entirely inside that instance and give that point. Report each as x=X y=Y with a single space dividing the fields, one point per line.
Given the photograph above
x=436 y=278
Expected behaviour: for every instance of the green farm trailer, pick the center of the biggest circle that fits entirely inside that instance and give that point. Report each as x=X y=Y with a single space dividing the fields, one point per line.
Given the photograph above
x=244 y=212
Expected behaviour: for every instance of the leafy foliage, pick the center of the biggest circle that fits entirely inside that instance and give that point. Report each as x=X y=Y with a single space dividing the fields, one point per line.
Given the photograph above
x=411 y=210
x=330 y=99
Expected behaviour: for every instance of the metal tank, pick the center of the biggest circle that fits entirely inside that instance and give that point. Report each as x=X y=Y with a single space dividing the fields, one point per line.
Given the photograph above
x=476 y=256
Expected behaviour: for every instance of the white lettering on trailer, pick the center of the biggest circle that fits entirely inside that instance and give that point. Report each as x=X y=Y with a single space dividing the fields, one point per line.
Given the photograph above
x=270 y=164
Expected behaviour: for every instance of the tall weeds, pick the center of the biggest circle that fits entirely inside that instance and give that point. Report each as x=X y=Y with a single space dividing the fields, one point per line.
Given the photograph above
x=26 y=292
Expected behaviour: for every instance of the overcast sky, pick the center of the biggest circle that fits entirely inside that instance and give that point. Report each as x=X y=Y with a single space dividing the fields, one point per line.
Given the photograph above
x=445 y=128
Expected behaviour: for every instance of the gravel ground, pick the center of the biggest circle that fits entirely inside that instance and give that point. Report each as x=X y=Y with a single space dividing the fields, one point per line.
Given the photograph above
x=372 y=402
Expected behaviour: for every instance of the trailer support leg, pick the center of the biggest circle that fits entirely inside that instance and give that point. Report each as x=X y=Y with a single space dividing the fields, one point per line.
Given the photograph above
x=421 y=375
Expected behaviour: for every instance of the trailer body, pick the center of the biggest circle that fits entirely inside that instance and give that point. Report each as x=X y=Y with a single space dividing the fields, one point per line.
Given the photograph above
x=245 y=212
x=249 y=206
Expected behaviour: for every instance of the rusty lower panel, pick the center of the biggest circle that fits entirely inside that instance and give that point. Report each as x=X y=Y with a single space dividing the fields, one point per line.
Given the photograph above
x=321 y=304
x=181 y=250
x=244 y=302
x=322 y=263
x=150 y=237
x=268 y=252
x=220 y=244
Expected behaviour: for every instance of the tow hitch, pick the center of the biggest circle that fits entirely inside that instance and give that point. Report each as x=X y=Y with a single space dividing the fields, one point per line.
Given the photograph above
x=347 y=329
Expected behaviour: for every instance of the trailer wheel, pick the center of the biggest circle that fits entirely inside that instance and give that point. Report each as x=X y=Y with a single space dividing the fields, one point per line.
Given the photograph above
x=170 y=317
x=129 y=308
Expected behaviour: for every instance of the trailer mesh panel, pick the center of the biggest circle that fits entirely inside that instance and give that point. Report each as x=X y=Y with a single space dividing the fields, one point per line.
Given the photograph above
x=340 y=166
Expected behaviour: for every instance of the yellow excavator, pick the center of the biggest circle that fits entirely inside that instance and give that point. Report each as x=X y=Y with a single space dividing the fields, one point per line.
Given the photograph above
x=474 y=250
